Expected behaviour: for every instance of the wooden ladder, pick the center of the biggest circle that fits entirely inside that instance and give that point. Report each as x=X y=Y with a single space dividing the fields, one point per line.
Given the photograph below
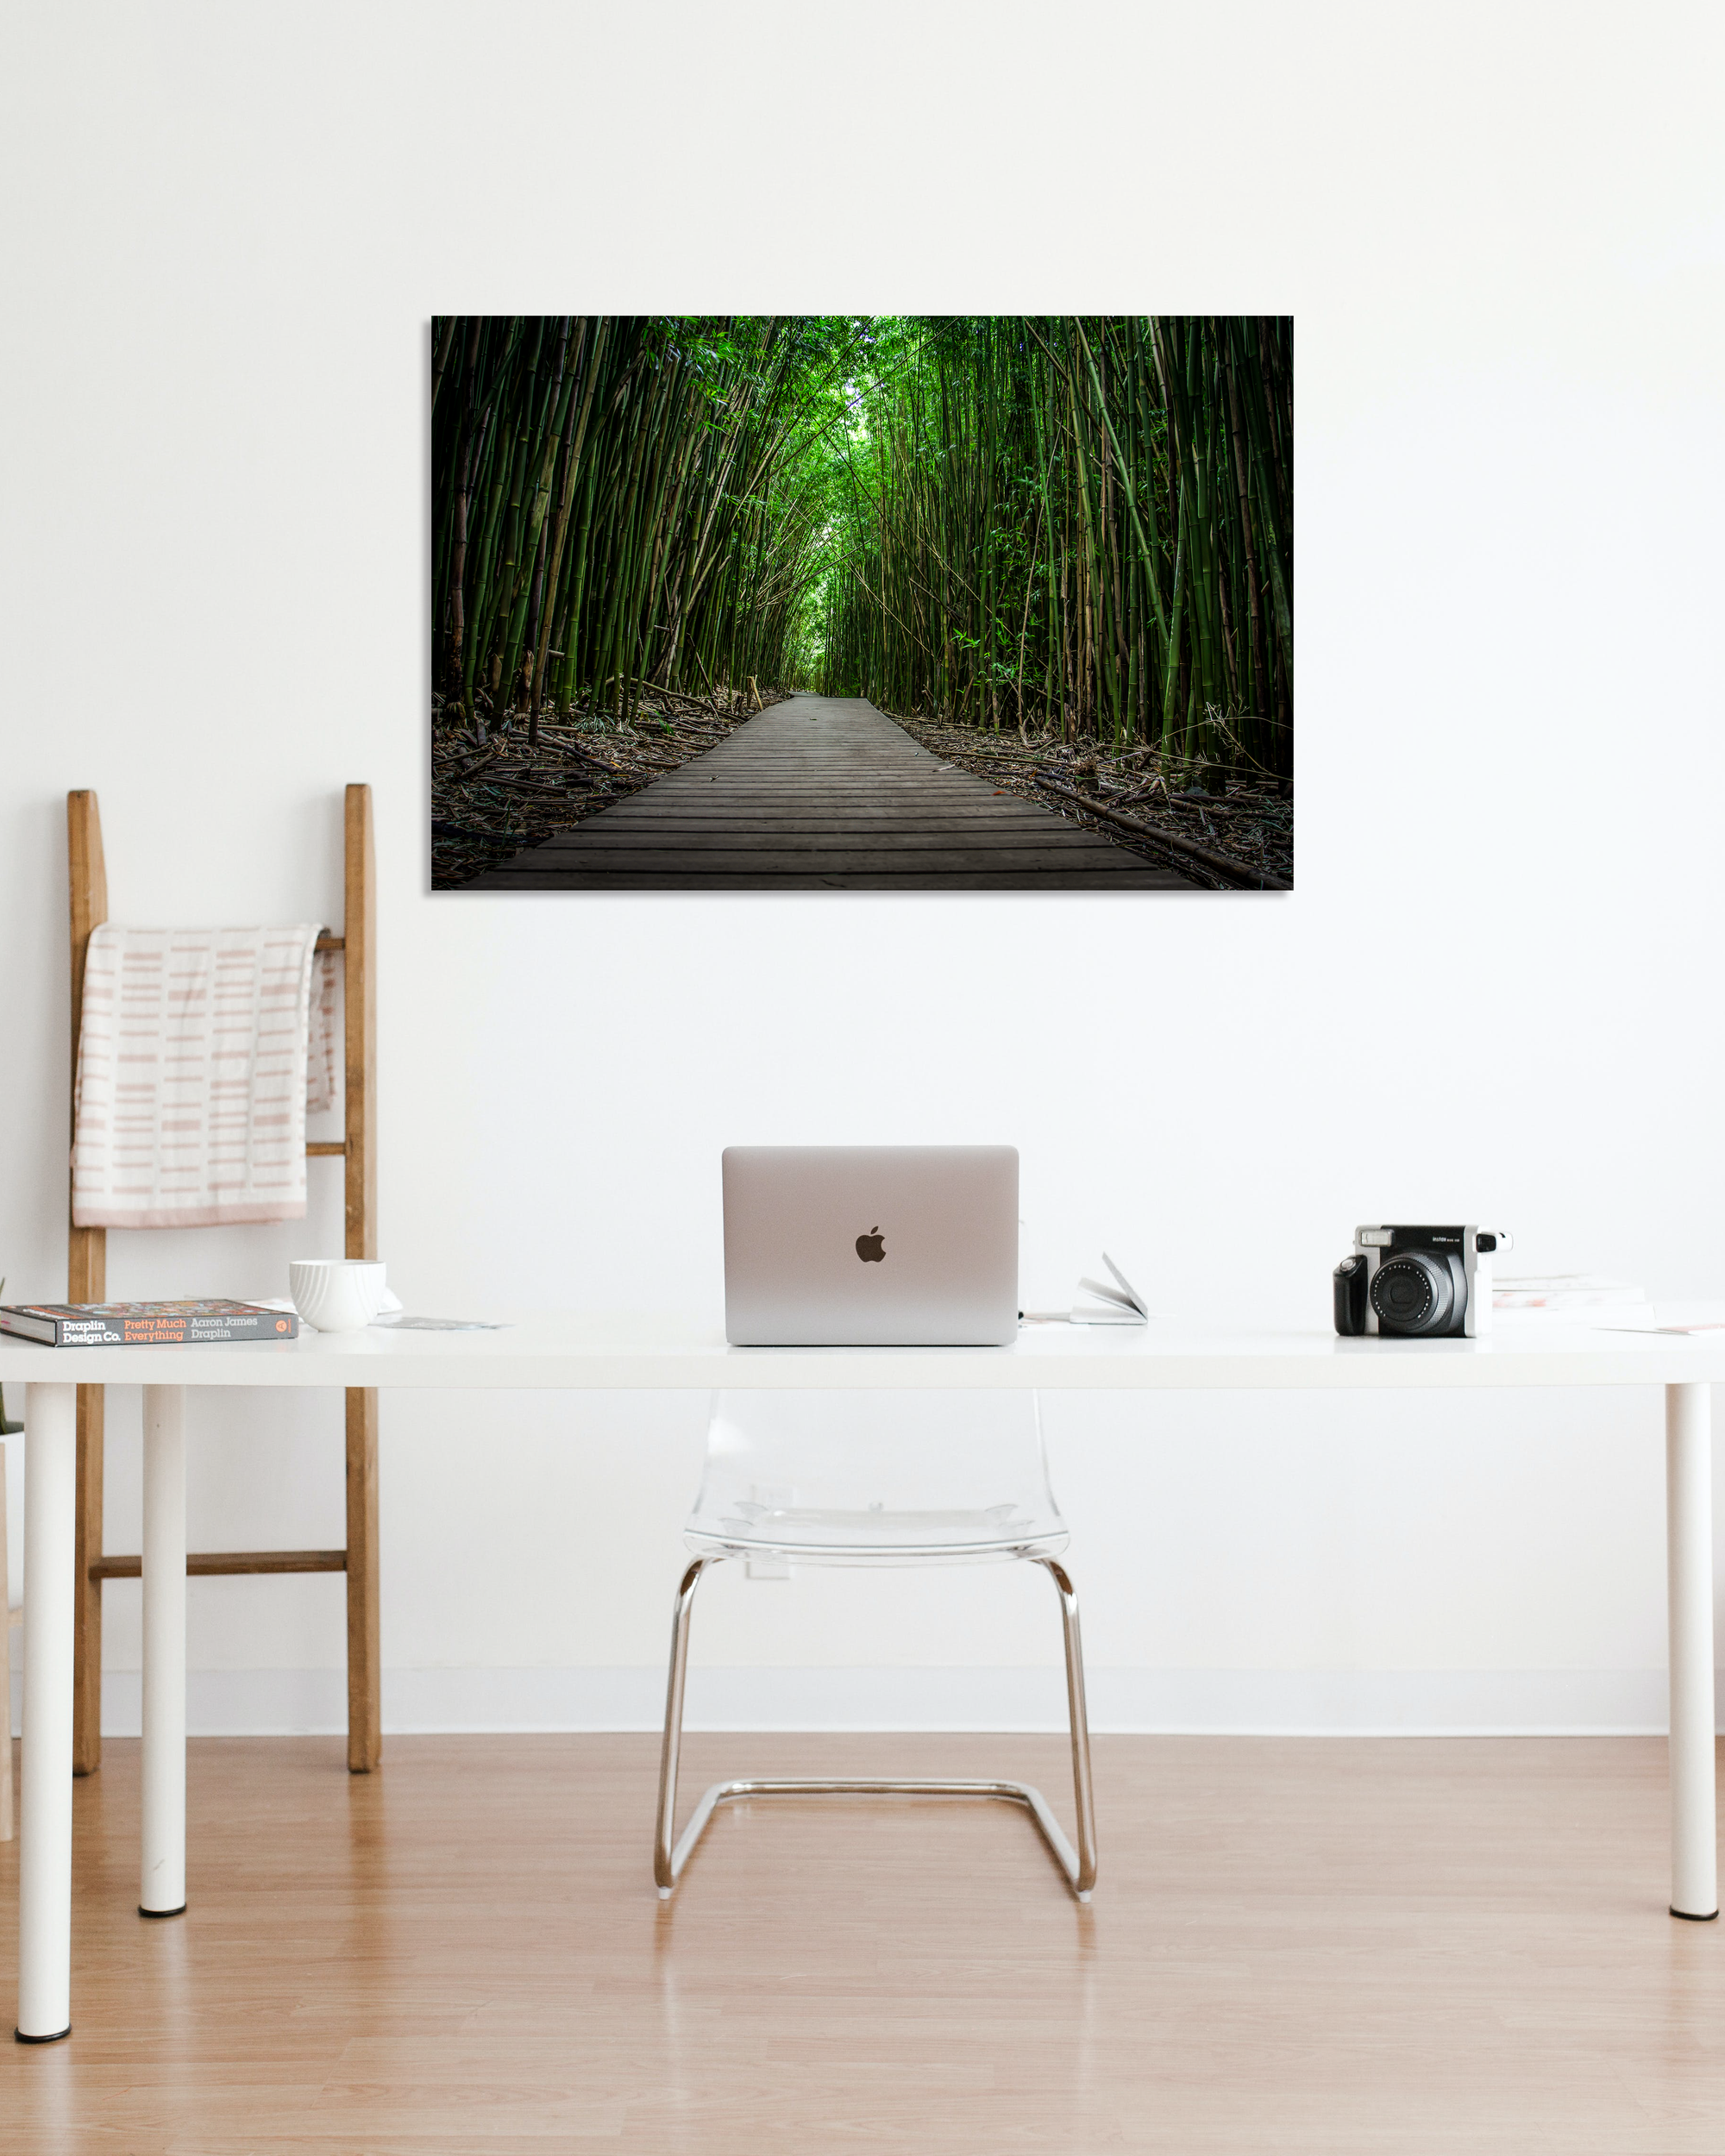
x=87 y=1281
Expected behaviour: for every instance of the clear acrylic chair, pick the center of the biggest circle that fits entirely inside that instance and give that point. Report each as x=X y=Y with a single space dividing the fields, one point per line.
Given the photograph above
x=881 y=1478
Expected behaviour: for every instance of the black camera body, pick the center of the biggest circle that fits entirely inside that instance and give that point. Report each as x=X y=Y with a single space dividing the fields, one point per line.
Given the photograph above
x=1418 y=1283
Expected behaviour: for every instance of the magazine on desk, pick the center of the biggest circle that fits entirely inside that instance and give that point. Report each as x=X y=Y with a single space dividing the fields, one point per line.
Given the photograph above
x=144 y=1324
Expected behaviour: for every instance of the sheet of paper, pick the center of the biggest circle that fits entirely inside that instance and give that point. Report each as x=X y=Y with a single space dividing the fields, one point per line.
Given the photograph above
x=404 y=1321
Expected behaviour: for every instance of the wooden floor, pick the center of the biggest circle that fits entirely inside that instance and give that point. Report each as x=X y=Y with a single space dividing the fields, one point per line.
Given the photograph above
x=825 y=793
x=1325 y=1945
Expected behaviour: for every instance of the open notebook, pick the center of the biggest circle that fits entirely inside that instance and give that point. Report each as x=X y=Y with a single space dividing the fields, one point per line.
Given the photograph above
x=1118 y=1305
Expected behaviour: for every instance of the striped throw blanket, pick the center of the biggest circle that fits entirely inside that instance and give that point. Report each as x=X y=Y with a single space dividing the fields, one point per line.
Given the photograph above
x=194 y=1065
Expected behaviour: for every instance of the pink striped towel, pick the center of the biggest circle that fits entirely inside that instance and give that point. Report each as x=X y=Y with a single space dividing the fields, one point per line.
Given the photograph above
x=320 y=1046
x=193 y=1076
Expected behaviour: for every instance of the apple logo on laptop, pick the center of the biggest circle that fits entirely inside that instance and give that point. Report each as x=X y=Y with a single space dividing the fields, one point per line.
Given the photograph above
x=871 y=1248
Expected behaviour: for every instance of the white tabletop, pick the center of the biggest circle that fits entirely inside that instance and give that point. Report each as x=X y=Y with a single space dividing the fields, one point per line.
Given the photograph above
x=633 y=1351
x=661 y=1353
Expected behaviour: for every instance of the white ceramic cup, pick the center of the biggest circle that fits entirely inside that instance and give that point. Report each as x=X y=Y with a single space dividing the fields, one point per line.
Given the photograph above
x=336 y=1294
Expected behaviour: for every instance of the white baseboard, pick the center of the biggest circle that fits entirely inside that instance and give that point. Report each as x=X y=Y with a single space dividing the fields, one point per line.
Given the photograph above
x=1357 y=1702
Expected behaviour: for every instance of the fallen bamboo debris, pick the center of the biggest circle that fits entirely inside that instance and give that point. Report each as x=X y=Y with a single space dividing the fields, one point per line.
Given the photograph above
x=1238 y=872
x=515 y=791
x=1257 y=807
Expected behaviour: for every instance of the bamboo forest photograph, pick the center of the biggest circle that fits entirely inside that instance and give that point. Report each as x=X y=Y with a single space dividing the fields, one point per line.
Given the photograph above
x=862 y=602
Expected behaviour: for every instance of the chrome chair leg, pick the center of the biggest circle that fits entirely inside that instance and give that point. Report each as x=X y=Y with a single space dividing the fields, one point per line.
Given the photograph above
x=1079 y=1866
x=1078 y=1720
x=665 y=1867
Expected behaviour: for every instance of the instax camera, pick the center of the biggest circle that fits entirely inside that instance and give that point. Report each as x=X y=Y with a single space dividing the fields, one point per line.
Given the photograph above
x=1418 y=1283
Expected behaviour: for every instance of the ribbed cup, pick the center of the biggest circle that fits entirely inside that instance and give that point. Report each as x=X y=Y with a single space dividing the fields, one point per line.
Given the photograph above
x=336 y=1294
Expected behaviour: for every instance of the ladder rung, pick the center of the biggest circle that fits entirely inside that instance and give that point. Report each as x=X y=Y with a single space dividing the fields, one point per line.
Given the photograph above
x=231 y=1561
x=322 y=1147
x=330 y=942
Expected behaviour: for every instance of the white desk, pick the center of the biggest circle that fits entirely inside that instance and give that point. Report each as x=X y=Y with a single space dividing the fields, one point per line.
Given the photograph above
x=643 y=1354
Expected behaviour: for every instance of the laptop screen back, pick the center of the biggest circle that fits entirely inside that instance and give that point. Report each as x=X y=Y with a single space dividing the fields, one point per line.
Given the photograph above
x=871 y=1245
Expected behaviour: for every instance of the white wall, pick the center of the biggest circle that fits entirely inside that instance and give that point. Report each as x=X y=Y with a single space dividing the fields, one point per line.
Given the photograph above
x=1493 y=993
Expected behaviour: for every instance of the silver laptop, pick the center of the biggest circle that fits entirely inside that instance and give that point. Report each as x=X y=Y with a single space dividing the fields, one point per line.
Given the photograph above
x=871 y=1245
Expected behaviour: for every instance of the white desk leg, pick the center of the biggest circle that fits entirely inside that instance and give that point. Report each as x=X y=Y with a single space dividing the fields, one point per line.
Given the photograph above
x=162 y=1892
x=45 y=1839
x=1689 y=1583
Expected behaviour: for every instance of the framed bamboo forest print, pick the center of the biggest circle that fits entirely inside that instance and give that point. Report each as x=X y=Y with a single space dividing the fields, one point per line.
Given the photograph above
x=862 y=602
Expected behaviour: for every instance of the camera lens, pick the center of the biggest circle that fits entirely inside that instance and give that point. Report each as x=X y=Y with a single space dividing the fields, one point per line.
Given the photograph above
x=1413 y=1293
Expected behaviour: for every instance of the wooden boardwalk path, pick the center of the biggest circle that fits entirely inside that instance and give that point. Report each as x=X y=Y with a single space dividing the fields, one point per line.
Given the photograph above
x=825 y=794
